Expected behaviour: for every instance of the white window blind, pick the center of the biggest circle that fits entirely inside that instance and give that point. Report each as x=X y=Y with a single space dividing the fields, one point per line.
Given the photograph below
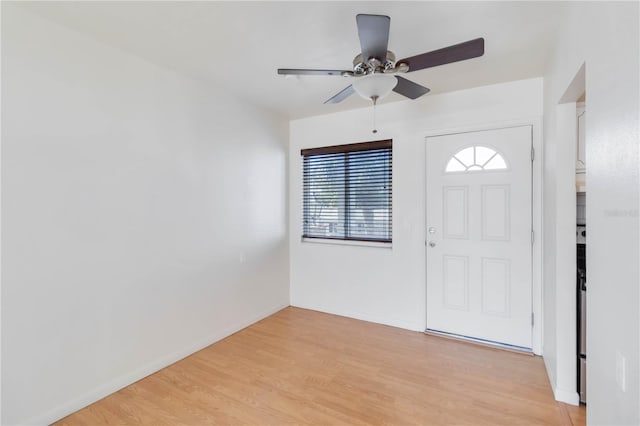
x=347 y=191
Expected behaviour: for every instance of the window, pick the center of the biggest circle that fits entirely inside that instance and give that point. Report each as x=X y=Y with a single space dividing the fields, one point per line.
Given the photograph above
x=347 y=192
x=476 y=158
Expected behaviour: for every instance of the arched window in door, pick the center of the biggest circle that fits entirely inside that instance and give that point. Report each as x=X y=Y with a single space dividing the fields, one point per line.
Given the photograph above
x=476 y=159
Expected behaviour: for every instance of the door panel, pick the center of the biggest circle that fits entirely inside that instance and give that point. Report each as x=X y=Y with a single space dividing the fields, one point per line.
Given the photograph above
x=496 y=286
x=479 y=235
x=456 y=282
x=456 y=214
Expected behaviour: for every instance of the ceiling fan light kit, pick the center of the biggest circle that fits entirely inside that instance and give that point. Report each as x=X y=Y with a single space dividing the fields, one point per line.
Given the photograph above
x=375 y=69
x=375 y=85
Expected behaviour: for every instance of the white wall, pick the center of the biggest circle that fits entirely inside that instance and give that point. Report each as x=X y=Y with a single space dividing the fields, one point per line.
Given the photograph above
x=604 y=36
x=143 y=217
x=387 y=285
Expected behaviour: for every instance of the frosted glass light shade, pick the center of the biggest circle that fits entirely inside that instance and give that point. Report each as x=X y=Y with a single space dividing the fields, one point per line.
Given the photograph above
x=373 y=85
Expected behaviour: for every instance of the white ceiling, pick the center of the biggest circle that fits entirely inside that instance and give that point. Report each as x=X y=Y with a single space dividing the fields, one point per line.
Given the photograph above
x=239 y=45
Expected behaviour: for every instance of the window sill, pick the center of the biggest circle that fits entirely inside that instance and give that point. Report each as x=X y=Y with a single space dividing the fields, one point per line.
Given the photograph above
x=337 y=242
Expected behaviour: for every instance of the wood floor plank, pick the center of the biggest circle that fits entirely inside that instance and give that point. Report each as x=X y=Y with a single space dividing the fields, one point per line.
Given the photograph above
x=305 y=367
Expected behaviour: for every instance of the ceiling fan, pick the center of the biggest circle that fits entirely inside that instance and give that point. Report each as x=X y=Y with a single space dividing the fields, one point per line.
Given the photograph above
x=376 y=70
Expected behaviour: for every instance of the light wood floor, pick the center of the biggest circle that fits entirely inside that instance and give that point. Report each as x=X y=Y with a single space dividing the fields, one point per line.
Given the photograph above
x=300 y=366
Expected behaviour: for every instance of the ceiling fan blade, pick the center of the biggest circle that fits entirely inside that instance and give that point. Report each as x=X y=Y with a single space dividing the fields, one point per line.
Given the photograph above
x=373 y=31
x=409 y=89
x=457 y=52
x=293 y=71
x=341 y=96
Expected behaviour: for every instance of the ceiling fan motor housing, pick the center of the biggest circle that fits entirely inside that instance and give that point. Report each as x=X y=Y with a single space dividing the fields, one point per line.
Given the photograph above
x=374 y=65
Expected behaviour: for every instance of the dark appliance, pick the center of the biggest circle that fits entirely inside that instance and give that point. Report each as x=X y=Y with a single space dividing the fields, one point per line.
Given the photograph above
x=581 y=281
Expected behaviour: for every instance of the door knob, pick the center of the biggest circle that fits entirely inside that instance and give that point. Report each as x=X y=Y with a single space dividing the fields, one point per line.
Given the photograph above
x=432 y=244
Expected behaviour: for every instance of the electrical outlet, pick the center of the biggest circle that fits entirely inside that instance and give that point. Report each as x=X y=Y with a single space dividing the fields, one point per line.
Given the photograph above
x=621 y=371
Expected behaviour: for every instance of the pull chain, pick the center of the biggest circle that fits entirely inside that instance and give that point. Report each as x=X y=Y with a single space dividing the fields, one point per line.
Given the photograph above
x=375 y=101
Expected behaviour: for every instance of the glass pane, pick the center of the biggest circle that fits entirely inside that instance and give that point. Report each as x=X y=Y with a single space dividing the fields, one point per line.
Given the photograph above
x=466 y=156
x=323 y=196
x=455 y=166
x=476 y=158
x=369 y=196
x=483 y=154
x=496 y=163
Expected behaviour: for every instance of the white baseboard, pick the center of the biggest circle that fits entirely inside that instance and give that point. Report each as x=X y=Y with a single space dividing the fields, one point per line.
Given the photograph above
x=393 y=322
x=146 y=370
x=568 y=397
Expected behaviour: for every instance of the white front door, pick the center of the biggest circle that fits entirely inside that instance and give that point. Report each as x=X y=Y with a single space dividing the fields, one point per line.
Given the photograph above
x=479 y=235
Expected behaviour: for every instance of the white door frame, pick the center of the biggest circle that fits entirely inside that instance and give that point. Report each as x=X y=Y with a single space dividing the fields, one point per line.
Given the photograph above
x=536 y=205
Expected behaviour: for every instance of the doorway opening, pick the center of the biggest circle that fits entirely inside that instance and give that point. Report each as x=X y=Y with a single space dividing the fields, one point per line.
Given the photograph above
x=570 y=280
x=581 y=249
